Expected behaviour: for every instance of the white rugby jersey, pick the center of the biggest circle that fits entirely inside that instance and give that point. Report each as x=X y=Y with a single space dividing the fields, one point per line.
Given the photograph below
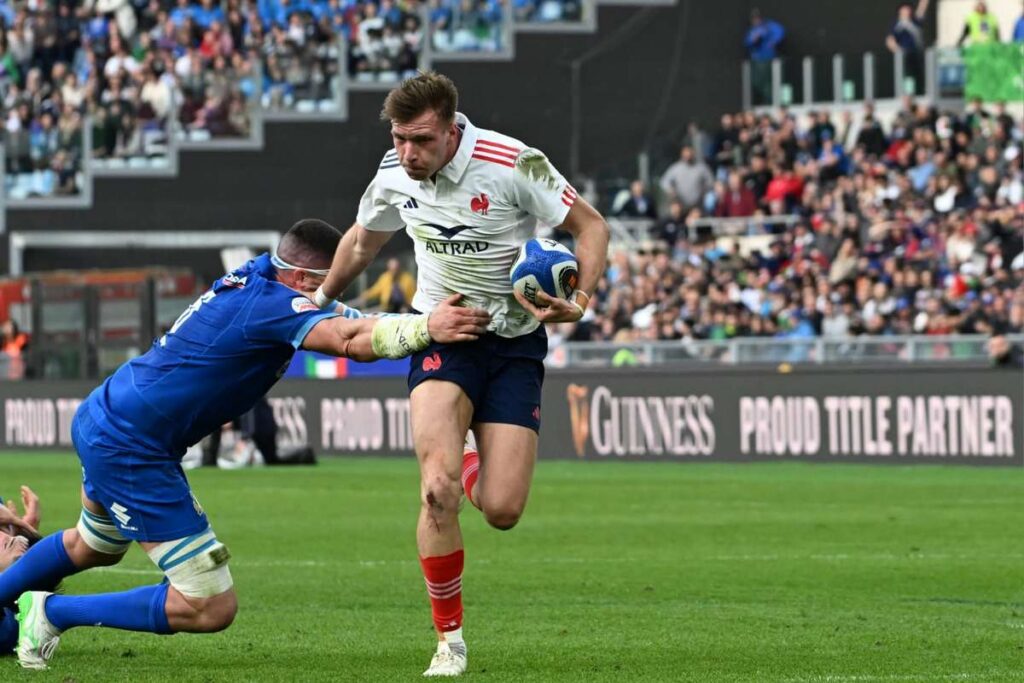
x=468 y=226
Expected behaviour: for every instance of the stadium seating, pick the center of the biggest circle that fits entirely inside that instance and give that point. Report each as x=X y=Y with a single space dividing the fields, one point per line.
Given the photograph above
x=867 y=231
x=911 y=228
x=115 y=87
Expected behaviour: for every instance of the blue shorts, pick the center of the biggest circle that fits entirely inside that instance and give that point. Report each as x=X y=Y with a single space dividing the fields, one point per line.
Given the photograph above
x=501 y=376
x=146 y=494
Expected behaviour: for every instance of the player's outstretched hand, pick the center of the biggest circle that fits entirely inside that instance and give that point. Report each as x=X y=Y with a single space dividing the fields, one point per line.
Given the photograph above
x=30 y=502
x=551 y=309
x=15 y=525
x=450 y=322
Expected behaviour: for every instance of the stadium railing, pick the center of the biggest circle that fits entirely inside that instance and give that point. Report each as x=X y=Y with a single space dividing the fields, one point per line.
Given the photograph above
x=636 y=232
x=842 y=78
x=753 y=350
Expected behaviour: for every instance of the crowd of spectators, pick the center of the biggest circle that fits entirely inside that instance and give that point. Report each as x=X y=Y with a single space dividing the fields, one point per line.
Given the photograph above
x=385 y=39
x=912 y=228
x=140 y=69
x=467 y=25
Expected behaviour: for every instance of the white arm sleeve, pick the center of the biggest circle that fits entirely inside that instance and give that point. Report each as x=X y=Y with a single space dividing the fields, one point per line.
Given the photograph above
x=375 y=213
x=540 y=190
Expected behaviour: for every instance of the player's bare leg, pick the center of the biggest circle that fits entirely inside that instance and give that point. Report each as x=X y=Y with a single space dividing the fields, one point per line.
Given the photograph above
x=199 y=613
x=441 y=413
x=508 y=454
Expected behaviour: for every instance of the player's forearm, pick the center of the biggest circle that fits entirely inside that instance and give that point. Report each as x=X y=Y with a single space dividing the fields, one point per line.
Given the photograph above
x=592 y=253
x=344 y=338
x=368 y=339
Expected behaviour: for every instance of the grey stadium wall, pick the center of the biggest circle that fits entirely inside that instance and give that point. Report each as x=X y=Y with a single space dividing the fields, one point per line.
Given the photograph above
x=938 y=414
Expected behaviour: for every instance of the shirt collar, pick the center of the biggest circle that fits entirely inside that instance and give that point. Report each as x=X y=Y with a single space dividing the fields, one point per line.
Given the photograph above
x=263 y=265
x=455 y=168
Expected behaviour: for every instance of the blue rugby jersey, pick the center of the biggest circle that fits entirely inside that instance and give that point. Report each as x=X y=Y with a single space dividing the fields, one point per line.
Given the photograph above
x=221 y=355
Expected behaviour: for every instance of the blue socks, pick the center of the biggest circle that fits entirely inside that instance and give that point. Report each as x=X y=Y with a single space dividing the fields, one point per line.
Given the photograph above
x=8 y=631
x=47 y=563
x=40 y=569
x=141 y=609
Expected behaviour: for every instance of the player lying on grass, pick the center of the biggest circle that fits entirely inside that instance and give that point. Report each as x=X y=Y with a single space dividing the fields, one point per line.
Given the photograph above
x=221 y=355
x=16 y=534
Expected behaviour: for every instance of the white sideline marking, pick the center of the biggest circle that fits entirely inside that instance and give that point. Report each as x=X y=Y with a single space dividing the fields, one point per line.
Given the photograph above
x=125 y=570
x=837 y=557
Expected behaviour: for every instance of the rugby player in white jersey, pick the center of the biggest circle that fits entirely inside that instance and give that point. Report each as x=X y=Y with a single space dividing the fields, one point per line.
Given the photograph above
x=469 y=198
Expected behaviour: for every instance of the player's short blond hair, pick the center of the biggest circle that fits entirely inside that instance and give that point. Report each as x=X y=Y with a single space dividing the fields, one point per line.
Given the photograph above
x=427 y=91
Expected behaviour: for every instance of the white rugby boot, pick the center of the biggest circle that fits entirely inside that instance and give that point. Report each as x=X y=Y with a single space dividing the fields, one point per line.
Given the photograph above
x=37 y=637
x=450 y=659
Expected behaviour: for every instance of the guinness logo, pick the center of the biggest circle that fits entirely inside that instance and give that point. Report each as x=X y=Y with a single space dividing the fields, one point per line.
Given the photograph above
x=579 y=416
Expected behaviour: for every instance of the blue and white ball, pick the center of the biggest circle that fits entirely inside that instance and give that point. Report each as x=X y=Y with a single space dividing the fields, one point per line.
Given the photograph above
x=547 y=266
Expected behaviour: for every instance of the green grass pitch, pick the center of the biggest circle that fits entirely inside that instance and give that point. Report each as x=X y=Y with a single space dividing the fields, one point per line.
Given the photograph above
x=618 y=572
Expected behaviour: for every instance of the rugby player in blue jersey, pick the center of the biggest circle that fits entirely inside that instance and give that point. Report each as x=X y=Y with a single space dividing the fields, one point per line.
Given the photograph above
x=221 y=355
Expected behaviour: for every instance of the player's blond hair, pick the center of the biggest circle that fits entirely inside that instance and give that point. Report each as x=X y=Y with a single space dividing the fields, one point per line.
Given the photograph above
x=427 y=91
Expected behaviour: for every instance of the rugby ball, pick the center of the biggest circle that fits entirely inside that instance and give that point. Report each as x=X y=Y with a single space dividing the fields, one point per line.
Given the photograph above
x=545 y=266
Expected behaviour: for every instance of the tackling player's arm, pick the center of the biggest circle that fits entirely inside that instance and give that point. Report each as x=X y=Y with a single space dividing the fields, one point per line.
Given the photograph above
x=367 y=339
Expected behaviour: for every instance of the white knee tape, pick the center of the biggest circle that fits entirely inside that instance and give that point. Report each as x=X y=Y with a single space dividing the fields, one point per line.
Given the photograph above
x=100 y=534
x=196 y=566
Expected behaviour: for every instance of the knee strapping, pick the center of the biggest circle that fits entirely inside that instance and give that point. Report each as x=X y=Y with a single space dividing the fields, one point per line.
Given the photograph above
x=99 y=533
x=197 y=566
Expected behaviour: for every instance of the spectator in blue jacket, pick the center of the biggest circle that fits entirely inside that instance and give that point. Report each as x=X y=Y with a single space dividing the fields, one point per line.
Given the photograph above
x=762 y=42
x=207 y=13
